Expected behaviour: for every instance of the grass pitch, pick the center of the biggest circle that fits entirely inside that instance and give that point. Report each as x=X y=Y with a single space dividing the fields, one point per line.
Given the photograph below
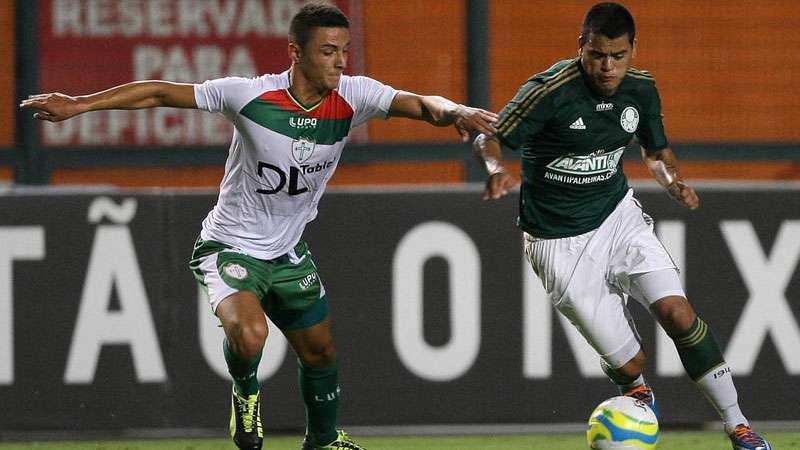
x=670 y=440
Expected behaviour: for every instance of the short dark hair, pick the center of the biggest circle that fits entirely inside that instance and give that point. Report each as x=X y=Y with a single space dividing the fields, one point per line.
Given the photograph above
x=313 y=15
x=612 y=20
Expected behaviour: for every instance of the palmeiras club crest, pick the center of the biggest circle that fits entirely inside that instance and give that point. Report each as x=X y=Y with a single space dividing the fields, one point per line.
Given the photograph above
x=302 y=149
x=629 y=119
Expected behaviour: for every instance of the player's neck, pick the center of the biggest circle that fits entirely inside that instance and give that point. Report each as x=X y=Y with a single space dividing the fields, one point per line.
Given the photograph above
x=304 y=90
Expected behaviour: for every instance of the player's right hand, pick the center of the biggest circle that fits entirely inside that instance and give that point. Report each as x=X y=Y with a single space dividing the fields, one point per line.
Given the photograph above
x=498 y=185
x=684 y=194
x=52 y=107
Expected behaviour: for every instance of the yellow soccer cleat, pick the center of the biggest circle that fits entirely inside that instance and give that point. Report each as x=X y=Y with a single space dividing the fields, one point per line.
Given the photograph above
x=245 y=425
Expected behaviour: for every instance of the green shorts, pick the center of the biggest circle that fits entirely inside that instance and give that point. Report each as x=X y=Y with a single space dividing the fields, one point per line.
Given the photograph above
x=288 y=286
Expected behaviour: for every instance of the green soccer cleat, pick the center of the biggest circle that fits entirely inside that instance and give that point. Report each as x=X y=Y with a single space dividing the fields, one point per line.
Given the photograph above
x=245 y=426
x=342 y=442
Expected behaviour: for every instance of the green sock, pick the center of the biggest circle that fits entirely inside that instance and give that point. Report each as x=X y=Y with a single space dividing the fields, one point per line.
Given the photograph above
x=320 y=389
x=243 y=371
x=703 y=361
x=698 y=350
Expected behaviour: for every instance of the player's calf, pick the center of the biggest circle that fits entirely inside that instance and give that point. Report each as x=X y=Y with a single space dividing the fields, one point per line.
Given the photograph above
x=631 y=386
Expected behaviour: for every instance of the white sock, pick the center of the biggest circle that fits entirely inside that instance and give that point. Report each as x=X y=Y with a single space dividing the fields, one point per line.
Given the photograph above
x=718 y=388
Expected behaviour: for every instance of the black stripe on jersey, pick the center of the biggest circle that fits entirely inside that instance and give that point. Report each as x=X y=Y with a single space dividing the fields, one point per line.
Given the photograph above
x=532 y=98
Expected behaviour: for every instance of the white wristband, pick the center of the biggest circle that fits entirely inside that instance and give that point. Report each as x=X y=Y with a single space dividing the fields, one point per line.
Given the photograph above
x=490 y=164
x=493 y=166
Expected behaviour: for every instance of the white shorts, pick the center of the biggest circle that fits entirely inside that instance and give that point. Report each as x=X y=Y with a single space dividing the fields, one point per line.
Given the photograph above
x=589 y=277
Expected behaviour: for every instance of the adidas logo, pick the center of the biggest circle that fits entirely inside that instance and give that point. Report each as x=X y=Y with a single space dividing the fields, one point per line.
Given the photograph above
x=578 y=124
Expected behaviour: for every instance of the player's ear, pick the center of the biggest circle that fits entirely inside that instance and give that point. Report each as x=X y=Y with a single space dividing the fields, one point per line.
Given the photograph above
x=294 y=52
x=580 y=45
x=633 y=52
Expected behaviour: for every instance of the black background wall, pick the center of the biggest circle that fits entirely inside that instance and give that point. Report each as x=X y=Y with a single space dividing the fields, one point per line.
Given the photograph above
x=103 y=327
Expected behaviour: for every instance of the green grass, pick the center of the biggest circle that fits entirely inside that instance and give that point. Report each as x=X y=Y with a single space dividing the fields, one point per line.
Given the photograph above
x=670 y=440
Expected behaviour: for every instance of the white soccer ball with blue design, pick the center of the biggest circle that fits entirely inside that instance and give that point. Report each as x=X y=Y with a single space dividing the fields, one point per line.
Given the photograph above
x=622 y=423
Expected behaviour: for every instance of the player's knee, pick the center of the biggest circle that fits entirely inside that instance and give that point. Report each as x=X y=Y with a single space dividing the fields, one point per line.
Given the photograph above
x=247 y=338
x=675 y=314
x=321 y=355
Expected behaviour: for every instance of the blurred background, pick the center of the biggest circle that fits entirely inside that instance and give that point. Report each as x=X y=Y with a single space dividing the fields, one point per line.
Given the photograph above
x=99 y=214
x=723 y=69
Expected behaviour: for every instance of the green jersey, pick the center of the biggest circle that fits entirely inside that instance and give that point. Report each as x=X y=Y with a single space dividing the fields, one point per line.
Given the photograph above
x=572 y=142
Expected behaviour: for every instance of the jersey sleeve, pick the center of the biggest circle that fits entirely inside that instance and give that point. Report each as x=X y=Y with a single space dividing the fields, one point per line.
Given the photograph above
x=224 y=95
x=371 y=98
x=524 y=116
x=650 y=133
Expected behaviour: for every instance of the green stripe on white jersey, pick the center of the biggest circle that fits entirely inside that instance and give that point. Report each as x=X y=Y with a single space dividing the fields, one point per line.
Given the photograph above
x=282 y=155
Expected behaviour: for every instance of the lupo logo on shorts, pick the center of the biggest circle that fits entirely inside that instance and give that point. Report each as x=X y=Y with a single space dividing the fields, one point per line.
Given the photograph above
x=236 y=271
x=308 y=280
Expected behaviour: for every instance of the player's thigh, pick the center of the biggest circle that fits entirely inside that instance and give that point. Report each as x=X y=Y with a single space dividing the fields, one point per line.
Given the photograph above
x=648 y=288
x=241 y=314
x=244 y=323
x=599 y=312
x=296 y=299
x=223 y=273
x=576 y=282
x=554 y=260
x=638 y=251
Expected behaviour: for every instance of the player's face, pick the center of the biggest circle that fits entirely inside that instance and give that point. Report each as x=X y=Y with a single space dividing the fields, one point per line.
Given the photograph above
x=324 y=57
x=606 y=61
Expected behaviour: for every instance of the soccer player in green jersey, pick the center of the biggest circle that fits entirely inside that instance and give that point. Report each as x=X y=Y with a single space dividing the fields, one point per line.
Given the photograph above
x=586 y=236
x=290 y=129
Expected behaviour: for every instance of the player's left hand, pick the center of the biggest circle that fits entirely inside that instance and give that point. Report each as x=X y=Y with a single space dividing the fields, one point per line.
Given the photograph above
x=469 y=119
x=684 y=194
x=498 y=184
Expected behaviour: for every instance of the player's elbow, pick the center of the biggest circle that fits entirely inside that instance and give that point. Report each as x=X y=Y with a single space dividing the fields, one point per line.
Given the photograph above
x=178 y=95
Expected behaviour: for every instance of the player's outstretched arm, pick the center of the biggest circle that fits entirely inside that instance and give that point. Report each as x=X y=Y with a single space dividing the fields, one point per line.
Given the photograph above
x=489 y=153
x=442 y=112
x=663 y=165
x=56 y=107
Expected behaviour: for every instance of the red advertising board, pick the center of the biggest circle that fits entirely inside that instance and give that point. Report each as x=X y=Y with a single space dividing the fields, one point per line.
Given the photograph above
x=7 y=92
x=91 y=45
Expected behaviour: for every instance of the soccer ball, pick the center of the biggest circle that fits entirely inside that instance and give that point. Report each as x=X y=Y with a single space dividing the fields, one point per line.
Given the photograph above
x=622 y=423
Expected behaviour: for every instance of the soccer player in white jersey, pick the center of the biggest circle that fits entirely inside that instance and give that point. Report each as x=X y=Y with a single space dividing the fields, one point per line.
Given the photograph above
x=586 y=236
x=289 y=131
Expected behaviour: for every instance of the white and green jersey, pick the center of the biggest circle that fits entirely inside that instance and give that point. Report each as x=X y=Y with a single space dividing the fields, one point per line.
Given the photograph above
x=282 y=155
